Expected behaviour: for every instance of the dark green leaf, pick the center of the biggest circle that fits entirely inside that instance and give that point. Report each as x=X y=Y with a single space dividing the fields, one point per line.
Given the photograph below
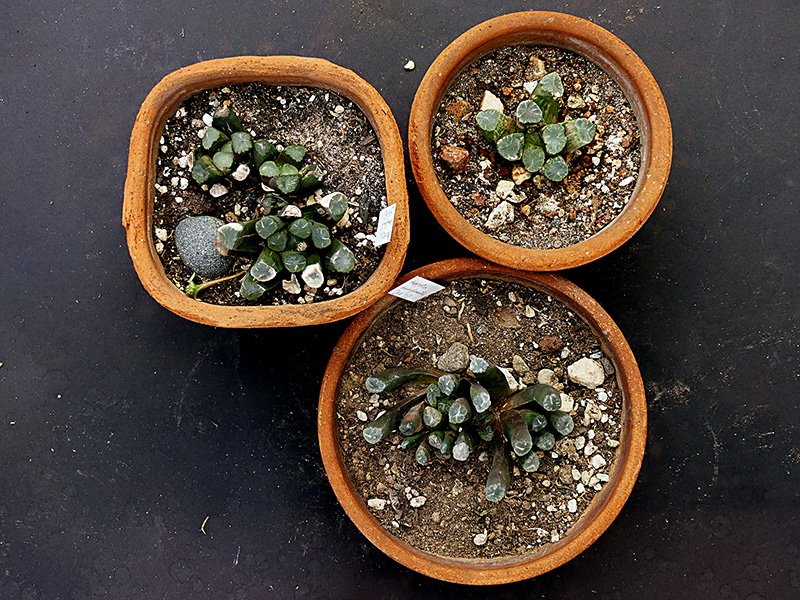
x=499 y=479
x=251 y=289
x=555 y=168
x=533 y=158
x=205 y=171
x=277 y=241
x=294 y=153
x=241 y=142
x=289 y=179
x=293 y=261
x=269 y=169
x=394 y=378
x=263 y=151
x=266 y=266
x=226 y=120
x=301 y=228
x=528 y=112
x=241 y=237
x=320 y=236
x=213 y=139
x=223 y=161
x=268 y=225
x=579 y=132
x=554 y=138
x=340 y=258
x=510 y=146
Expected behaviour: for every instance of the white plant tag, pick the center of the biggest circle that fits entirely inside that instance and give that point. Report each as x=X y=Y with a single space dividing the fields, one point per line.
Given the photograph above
x=416 y=289
x=383 y=234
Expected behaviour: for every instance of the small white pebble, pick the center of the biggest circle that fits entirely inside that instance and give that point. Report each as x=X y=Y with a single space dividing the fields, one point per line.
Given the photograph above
x=602 y=477
x=376 y=503
x=208 y=120
x=241 y=173
x=418 y=501
x=579 y=488
x=409 y=66
x=161 y=234
x=339 y=109
x=480 y=539
x=362 y=416
x=218 y=190
x=598 y=461
x=572 y=505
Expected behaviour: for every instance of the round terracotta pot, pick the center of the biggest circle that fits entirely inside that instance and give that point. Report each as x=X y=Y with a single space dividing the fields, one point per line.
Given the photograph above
x=137 y=213
x=604 y=507
x=583 y=38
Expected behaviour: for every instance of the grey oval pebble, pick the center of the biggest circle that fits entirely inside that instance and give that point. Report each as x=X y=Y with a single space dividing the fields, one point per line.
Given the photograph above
x=194 y=238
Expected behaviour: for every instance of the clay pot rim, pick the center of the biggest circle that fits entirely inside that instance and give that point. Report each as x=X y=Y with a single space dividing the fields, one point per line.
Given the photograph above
x=606 y=504
x=137 y=215
x=604 y=49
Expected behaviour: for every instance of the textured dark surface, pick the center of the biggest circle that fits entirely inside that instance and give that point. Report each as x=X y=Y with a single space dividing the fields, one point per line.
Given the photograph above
x=122 y=426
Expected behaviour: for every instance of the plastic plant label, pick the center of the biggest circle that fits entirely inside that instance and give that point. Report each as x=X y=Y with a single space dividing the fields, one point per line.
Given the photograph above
x=416 y=289
x=383 y=234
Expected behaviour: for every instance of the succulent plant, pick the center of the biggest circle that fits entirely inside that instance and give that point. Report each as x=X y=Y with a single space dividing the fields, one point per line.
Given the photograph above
x=292 y=235
x=292 y=238
x=227 y=150
x=455 y=414
x=534 y=136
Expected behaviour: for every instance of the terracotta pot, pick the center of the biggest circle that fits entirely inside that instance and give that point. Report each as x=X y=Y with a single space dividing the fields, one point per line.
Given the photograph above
x=604 y=507
x=585 y=39
x=137 y=215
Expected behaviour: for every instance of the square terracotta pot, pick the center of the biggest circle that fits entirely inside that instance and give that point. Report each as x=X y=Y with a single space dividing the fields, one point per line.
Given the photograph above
x=137 y=216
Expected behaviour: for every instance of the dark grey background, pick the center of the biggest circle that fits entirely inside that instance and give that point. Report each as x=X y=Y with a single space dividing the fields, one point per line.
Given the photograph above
x=122 y=426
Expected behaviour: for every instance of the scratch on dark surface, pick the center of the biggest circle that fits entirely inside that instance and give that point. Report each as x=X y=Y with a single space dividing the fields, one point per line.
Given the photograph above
x=716 y=447
x=187 y=382
x=678 y=391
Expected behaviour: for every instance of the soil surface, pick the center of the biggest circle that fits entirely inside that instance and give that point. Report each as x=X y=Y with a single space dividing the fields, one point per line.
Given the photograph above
x=546 y=214
x=339 y=138
x=441 y=507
